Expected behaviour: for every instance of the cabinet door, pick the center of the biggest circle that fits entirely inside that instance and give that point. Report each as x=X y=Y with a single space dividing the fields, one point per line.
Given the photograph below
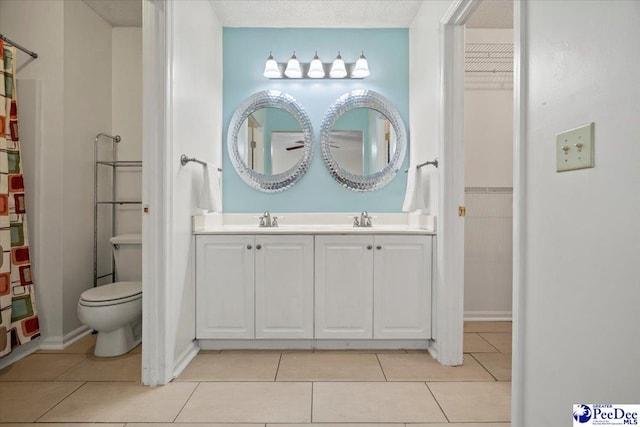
x=224 y=287
x=344 y=287
x=402 y=287
x=284 y=286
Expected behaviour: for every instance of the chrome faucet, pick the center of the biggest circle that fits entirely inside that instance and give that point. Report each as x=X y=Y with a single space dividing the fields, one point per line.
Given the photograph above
x=266 y=220
x=363 y=221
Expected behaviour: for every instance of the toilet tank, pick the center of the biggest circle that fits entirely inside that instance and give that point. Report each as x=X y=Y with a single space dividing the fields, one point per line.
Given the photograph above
x=127 y=253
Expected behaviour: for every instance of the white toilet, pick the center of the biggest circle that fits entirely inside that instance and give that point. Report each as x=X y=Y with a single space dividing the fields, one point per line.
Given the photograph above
x=115 y=310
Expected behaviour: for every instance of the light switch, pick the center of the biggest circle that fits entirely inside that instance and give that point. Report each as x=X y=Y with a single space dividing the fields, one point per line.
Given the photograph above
x=574 y=148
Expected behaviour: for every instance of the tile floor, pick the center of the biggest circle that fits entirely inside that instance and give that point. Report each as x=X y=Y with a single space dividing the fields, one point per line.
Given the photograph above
x=253 y=388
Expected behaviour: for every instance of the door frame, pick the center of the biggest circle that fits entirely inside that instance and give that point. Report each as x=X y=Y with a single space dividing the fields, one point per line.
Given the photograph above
x=450 y=291
x=449 y=297
x=158 y=317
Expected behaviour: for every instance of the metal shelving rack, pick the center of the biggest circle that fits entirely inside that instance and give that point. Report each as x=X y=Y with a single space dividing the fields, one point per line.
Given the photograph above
x=113 y=201
x=489 y=58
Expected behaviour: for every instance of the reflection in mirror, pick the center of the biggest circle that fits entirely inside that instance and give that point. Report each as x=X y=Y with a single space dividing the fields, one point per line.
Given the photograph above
x=271 y=141
x=362 y=141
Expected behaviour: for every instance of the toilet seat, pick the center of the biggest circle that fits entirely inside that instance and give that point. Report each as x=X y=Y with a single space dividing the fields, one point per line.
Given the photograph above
x=111 y=294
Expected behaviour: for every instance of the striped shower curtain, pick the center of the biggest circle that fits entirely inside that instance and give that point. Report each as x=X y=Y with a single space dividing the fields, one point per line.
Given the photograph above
x=18 y=317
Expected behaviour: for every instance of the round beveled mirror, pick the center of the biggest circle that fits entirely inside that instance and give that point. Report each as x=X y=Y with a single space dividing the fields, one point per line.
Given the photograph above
x=363 y=140
x=270 y=141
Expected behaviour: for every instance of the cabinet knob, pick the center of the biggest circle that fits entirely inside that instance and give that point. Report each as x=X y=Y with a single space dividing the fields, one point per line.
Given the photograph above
x=378 y=247
x=249 y=246
x=258 y=246
x=369 y=247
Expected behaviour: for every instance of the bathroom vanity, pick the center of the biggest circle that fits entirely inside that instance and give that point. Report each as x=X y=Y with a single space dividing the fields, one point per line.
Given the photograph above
x=305 y=285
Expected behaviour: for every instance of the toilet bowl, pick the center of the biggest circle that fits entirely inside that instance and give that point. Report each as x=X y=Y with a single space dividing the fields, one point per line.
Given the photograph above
x=115 y=310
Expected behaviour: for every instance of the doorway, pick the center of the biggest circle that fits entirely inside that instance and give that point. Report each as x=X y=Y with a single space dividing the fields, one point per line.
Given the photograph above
x=452 y=153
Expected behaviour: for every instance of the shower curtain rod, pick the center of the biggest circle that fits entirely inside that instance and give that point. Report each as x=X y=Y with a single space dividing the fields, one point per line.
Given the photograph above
x=24 y=49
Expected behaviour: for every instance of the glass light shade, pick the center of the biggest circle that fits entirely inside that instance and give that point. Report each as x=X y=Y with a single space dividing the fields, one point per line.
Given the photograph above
x=361 y=68
x=271 y=69
x=293 y=70
x=316 y=71
x=338 y=70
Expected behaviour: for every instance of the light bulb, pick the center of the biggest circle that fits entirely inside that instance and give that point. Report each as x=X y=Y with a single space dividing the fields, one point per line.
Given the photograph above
x=361 y=68
x=293 y=70
x=316 y=71
x=338 y=70
x=271 y=69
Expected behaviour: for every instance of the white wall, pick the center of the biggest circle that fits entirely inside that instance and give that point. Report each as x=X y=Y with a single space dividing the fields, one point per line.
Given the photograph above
x=488 y=154
x=488 y=121
x=74 y=67
x=87 y=111
x=582 y=239
x=39 y=26
x=126 y=91
x=196 y=131
x=424 y=96
x=126 y=112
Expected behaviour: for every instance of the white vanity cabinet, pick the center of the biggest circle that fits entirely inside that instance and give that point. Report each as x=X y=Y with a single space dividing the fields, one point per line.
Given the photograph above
x=344 y=287
x=225 y=290
x=254 y=287
x=373 y=287
x=402 y=287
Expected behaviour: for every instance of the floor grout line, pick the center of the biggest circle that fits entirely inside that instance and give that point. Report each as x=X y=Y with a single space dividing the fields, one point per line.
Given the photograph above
x=485 y=340
x=61 y=400
x=381 y=368
x=185 y=403
x=275 y=378
x=437 y=403
x=483 y=367
x=311 y=416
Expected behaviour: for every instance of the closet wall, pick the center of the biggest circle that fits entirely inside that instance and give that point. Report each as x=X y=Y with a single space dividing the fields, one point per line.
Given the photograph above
x=488 y=173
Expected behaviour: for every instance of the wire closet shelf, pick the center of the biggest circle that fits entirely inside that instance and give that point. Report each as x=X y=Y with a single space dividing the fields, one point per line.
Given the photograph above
x=487 y=59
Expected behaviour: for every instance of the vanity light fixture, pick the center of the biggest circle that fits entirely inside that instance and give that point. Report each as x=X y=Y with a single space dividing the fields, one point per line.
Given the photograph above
x=361 y=69
x=338 y=69
x=271 y=69
x=293 y=70
x=316 y=69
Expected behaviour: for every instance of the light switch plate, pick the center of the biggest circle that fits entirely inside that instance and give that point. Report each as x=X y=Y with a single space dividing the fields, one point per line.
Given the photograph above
x=574 y=148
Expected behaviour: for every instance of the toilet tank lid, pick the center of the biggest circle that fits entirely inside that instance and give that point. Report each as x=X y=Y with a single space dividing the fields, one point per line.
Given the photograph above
x=126 y=239
x=112 y=291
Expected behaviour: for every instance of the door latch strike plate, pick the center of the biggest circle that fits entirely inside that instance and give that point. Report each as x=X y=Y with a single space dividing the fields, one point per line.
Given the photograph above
x=462 y=211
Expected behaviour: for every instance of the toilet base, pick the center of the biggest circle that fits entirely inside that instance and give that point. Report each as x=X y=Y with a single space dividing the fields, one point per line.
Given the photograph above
x=118 y=342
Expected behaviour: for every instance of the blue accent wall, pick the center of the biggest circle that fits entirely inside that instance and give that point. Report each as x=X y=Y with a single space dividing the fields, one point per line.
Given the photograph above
x=244 y=56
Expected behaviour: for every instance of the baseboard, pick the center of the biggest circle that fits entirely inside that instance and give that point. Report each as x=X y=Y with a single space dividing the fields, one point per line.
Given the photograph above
x=488 y=316
x=20 y=352
x=310 y=344
x=183 y=360
x=59 y=343
x=432 y=348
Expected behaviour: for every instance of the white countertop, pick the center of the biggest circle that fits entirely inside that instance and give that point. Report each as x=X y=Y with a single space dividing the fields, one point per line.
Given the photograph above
x=314 y=223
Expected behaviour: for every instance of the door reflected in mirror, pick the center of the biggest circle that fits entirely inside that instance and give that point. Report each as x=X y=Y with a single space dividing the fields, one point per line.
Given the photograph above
x=271 y=141
x=362 y=141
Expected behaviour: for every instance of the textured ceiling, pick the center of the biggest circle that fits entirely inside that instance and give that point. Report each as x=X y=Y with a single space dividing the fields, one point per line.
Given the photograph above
x=325 y=13
x=118 y=13
x=492 y=14
x=311 y=13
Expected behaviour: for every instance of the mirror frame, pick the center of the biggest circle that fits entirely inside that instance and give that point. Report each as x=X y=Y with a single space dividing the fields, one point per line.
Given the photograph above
x=276 y=182
x=372 y=100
